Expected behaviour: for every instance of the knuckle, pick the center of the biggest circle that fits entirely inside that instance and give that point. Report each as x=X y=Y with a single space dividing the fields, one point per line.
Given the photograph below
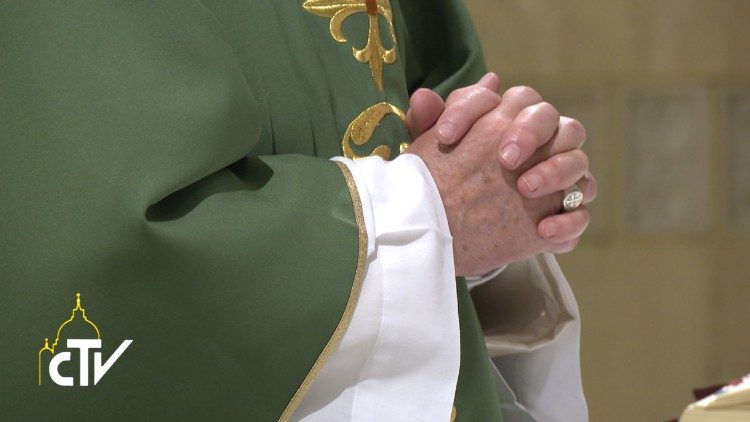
x=485 y=95
x=450 y=112
x=524 y=92
x=456 y=94
x=493 y=97
x=475 y=95
x=574 y=127
x=548 y=110
x=486 y=92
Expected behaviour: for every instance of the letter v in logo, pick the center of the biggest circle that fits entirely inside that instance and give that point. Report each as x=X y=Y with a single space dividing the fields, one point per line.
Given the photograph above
x=99 y=369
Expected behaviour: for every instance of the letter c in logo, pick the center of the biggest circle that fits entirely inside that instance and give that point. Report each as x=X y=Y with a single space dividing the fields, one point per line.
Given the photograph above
x=54 y=373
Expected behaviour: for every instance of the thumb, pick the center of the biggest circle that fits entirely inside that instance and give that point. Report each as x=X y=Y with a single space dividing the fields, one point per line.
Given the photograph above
x=425 y=107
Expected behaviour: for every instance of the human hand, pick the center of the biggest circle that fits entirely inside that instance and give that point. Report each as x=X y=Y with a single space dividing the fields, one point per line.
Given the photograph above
x=548 y=145
x=427 y=109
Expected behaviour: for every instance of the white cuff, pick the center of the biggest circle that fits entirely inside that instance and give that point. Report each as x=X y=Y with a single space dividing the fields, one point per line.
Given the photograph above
x=400 y=357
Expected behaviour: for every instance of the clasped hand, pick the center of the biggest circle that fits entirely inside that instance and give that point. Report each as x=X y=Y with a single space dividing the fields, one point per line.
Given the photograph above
x=501 y=164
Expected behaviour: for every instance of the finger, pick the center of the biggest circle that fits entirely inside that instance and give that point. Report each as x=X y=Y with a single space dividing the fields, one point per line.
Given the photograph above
x=464 y=107
x=463 y=112
x=565 y=227
x=570 y=135
x=514 y=100
x=518 y=98
x=589 y=187
x=555 y=174
x=490 y=81
x=533 y=127
x=425 y=108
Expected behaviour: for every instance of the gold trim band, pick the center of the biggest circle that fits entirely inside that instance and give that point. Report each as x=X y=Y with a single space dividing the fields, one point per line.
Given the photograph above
x=346 y=317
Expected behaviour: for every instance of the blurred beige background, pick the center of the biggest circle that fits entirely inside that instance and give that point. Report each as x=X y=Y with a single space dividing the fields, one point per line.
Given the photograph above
x=663 y=276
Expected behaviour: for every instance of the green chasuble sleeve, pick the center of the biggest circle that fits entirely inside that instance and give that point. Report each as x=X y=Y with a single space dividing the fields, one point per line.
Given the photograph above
x=164 y=178
x=133 y=171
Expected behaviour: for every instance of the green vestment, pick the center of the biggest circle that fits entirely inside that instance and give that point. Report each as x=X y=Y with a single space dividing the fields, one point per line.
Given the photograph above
x=169 y=161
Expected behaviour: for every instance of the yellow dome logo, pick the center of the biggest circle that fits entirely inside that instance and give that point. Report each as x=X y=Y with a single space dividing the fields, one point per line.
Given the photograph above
x=83 y=345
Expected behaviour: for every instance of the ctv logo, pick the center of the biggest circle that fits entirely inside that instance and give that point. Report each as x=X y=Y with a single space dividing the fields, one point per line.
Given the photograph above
x=79 y=349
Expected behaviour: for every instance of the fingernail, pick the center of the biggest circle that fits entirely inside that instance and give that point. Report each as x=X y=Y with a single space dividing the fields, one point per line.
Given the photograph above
x=532 y=181
x=550 y=229
x=445 y=132
x=510 y=154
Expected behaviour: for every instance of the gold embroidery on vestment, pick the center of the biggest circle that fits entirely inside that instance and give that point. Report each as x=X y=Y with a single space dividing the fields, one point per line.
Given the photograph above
x=373 y=53
x=351 y=304
x=361 y=129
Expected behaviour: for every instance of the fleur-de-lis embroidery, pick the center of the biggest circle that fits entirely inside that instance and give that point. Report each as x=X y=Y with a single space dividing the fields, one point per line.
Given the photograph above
x=361 y=129
x=373 y=53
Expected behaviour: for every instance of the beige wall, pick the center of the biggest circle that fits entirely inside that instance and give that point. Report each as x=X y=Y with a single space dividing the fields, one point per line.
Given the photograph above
x=663 y=276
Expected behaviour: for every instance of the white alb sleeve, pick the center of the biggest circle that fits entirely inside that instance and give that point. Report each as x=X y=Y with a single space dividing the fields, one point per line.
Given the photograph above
x=532 y=331
x=539 y=360
x=400 y=357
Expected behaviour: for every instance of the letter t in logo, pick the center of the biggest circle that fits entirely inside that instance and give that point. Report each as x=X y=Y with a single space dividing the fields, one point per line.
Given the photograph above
x=99 y=369
x=84 y=346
